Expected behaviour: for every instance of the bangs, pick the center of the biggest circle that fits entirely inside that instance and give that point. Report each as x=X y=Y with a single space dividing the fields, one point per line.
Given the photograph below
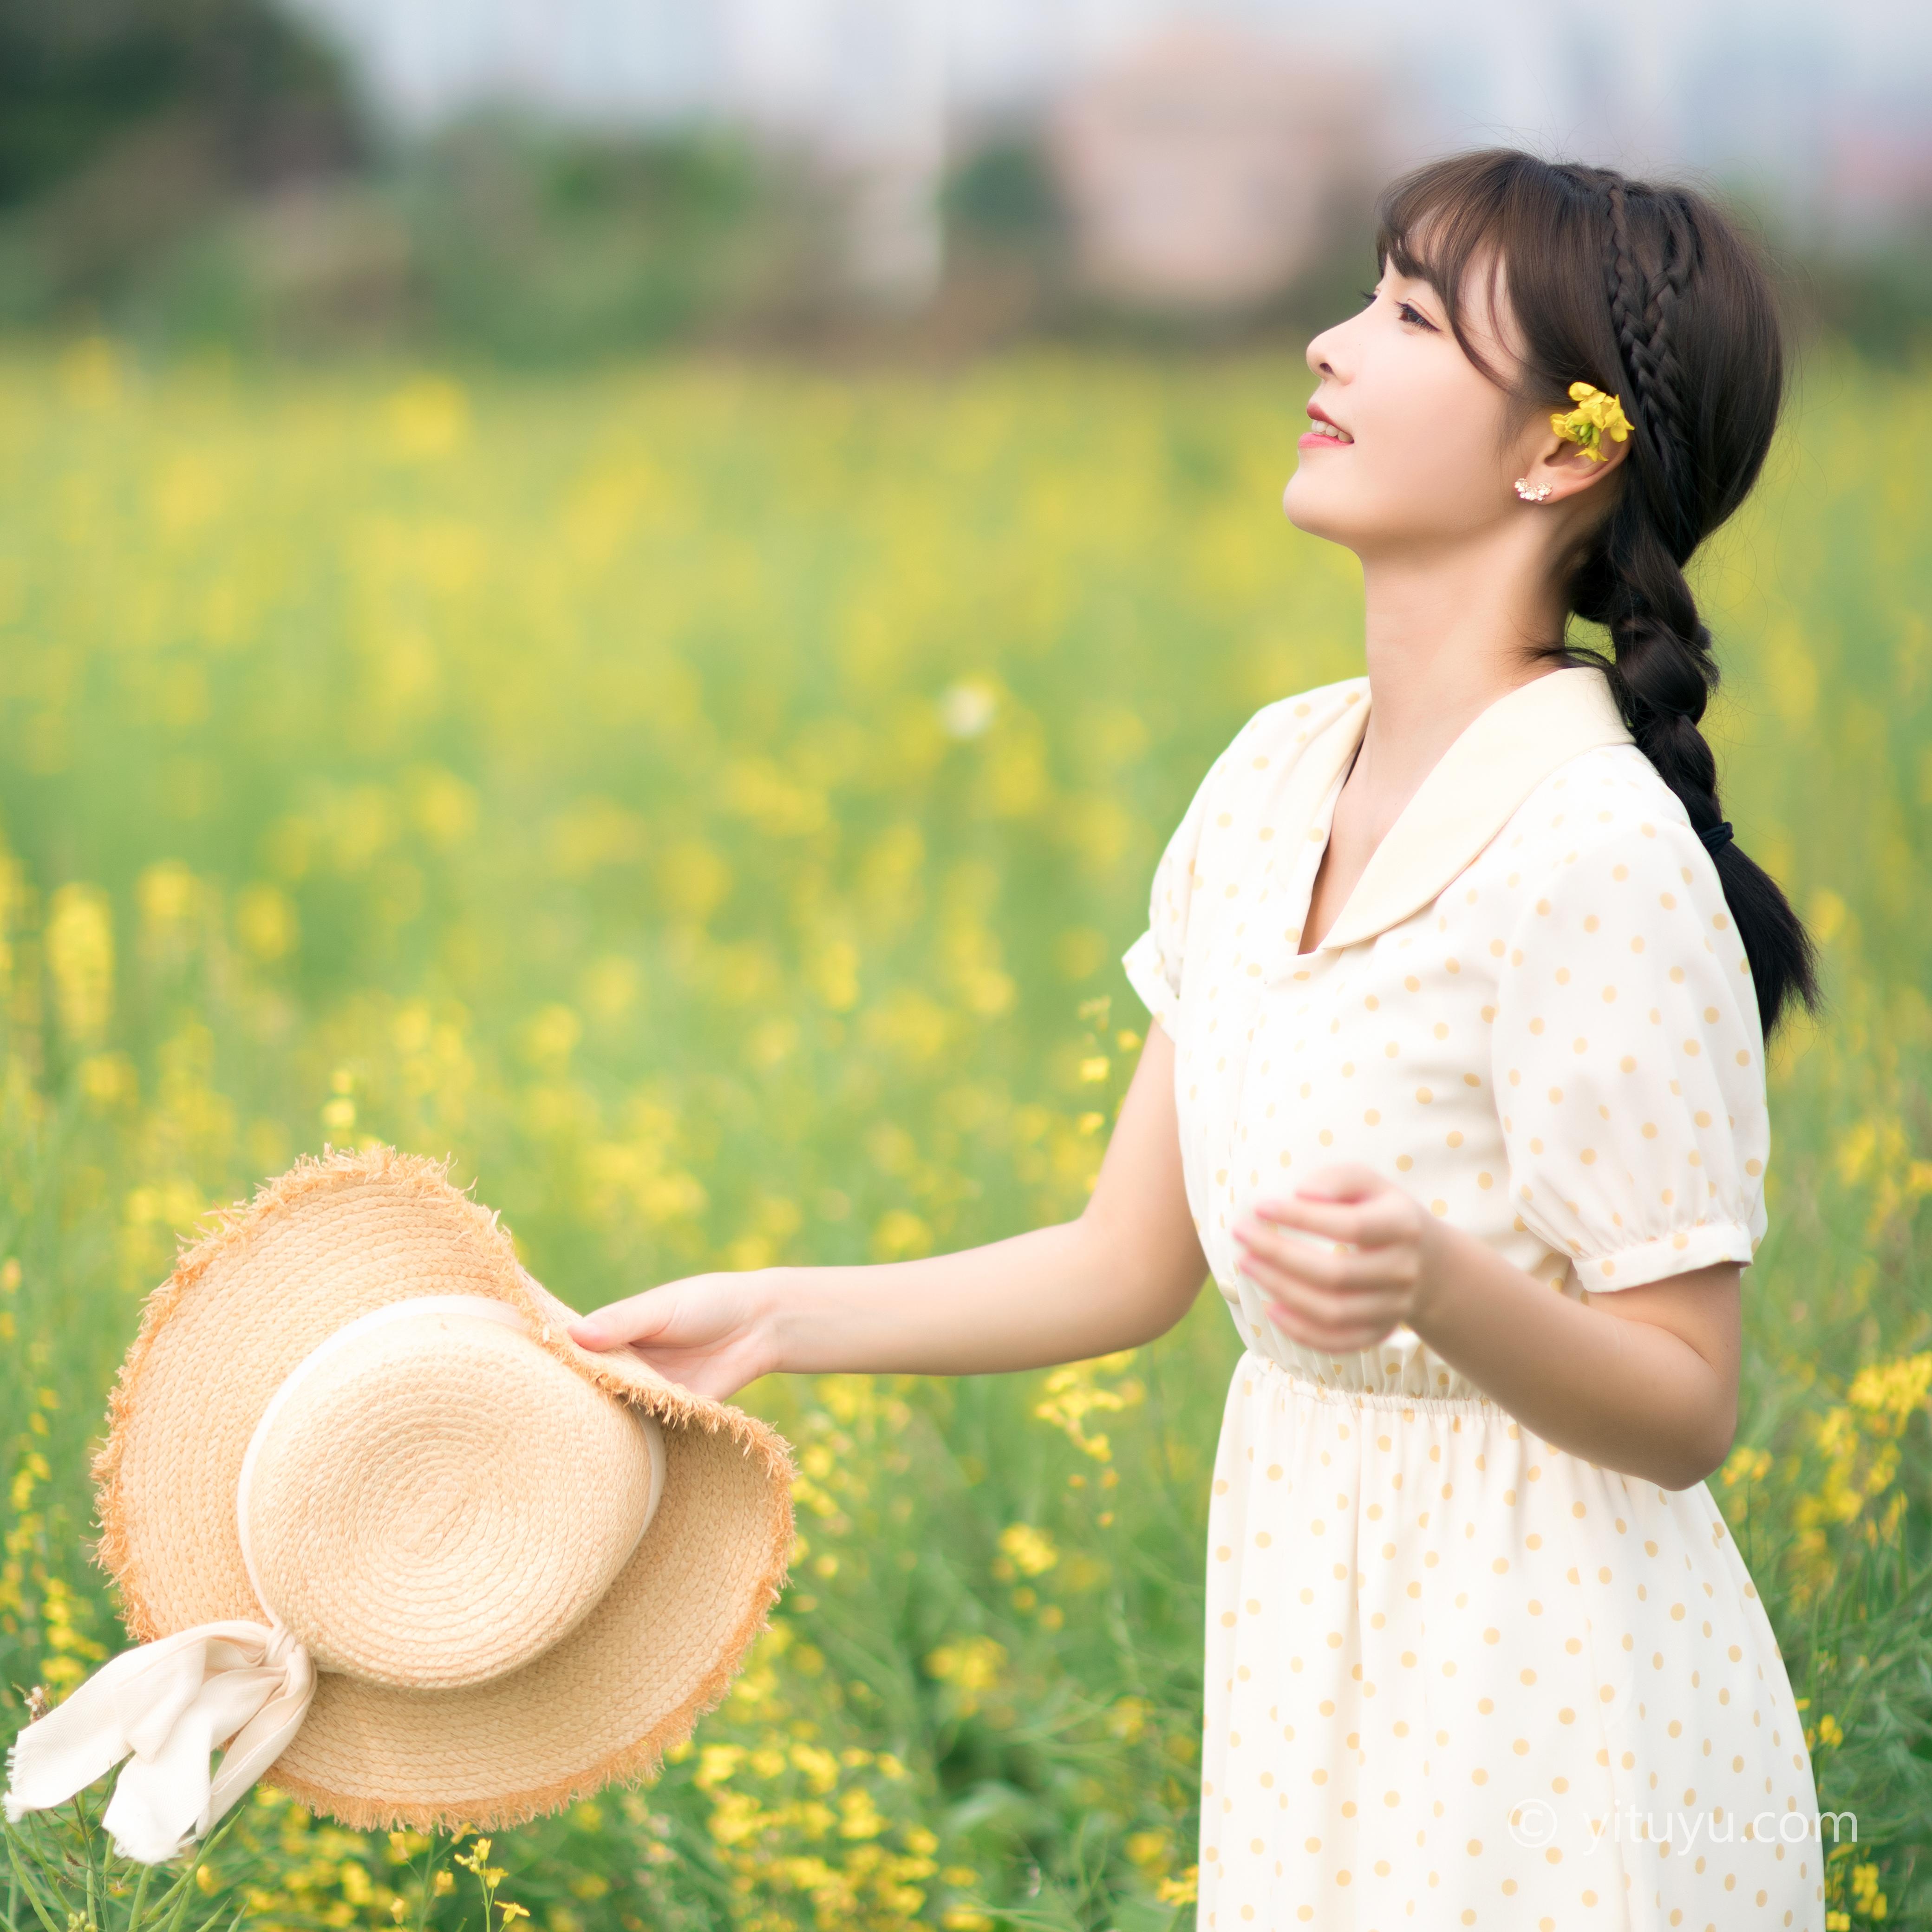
x=1432 y=227
x=1484 y=211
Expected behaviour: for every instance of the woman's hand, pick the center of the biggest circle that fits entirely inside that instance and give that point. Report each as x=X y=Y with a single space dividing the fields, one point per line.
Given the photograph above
x=1339 y=1300
x=710 y=1333
x=1124 y=1270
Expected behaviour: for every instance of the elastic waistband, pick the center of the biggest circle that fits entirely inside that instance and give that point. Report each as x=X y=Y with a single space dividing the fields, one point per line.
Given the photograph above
x=1479 y=1406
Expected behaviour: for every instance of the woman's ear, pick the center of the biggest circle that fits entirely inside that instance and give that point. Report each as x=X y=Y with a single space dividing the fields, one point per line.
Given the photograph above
x=1568 y=469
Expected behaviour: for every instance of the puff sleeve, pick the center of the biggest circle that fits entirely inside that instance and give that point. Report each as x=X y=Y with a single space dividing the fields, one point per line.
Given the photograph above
x=1628 y=1062
x=1153 y=963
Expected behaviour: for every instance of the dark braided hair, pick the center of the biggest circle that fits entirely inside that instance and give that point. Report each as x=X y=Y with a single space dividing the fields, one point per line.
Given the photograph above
x=1649 y=292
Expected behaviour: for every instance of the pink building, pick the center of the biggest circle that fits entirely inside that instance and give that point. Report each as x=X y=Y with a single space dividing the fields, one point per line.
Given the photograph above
x=1200 y=169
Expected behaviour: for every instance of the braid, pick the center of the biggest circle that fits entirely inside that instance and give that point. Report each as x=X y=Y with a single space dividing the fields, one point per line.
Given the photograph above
x=1642 y=308
x=1667 y=383
x=1664 y=671
x=1626 y=287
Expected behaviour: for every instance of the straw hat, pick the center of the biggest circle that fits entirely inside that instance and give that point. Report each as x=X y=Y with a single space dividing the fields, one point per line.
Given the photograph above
x=382 y=1527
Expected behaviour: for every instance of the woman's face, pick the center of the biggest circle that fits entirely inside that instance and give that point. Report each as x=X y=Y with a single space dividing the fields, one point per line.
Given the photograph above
x=1428 y=458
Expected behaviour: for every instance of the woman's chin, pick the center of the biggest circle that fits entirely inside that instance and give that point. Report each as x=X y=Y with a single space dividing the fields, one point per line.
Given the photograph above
x=1305 y=510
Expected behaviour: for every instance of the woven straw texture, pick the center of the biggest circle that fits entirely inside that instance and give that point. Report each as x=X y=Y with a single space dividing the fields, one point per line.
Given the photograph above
x=443 y=1502
x=329 y=1241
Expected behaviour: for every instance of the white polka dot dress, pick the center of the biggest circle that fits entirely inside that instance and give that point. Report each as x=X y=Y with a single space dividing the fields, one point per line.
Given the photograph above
x=1456 y=1676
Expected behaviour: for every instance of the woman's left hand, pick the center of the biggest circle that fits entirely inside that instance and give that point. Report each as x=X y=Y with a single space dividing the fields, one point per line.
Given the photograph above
x=1339 y=1300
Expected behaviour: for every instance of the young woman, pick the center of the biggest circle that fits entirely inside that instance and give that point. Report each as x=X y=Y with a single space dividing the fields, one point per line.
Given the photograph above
x=1456 y=1085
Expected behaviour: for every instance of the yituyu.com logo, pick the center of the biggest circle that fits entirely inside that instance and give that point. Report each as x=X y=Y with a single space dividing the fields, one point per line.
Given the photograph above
x=1534 y=1823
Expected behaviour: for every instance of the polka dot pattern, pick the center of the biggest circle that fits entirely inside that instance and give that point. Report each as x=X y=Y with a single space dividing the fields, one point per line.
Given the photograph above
x=1424 y=1623
x=1626 y=1051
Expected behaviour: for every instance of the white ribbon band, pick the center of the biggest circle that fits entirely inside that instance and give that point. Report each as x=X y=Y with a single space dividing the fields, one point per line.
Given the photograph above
x=165 y=1706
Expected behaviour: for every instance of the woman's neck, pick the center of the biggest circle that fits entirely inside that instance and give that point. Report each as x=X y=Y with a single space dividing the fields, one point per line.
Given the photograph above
x=1444 y=638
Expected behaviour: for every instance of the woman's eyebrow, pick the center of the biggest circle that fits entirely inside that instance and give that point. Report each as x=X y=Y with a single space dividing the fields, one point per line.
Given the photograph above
x=1417 y=289
x=1394 y=275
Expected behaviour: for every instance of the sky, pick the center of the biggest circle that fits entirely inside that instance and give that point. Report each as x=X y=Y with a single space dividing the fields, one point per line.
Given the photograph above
x=1831 y=106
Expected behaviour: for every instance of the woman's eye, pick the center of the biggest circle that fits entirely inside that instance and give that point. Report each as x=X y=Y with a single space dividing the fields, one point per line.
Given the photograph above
x=1405 y=311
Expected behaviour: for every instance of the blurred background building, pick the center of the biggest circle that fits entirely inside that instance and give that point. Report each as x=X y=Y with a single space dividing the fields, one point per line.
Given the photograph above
x=546 y=177
x=1198 y=167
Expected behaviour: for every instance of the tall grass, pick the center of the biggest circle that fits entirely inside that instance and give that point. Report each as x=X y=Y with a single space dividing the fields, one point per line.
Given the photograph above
x=709 y=804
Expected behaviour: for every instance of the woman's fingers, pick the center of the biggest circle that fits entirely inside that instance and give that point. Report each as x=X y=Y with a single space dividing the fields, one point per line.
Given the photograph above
x=1330 y=1338
x=1323 y=1310
x=1337 y=1260
x=640 y=1320
x=1336 y=1244
x=700 y=1332
x=1339 y=1325
x=1366 y=1224
x=1328 y=1307
x=605 y=1328
x=1308 y=1261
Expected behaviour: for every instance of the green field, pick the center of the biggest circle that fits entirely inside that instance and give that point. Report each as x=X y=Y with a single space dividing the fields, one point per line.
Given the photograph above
x=709 y=803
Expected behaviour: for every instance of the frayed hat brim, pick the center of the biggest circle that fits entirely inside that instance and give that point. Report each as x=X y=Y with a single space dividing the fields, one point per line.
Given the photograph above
x=329 y=1240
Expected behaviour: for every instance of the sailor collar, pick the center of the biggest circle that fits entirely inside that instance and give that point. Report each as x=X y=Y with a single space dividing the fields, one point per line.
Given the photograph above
x=1468 y=796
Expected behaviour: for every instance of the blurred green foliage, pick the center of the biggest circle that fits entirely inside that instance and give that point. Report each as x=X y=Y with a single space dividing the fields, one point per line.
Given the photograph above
x=532 y=245
x=1005 y=190
x=127 y=128
x=76 y=79
x=198 y=170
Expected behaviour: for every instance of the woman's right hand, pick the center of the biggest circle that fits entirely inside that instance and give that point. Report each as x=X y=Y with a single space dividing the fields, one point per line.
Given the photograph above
x=1124 y=1271
x=710 y=1332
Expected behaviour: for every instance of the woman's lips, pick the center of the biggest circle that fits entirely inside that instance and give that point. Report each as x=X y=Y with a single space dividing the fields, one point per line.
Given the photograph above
x=1315 y=438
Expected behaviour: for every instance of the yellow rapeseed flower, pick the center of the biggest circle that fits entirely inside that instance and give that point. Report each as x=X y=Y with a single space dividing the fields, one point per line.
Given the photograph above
x=80 y=960
x=1032 y=1549
x=1180 y=1891
x=1595 y=416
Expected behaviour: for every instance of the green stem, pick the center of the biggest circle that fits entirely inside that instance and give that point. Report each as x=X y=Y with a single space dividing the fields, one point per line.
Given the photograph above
x=87 y=1850
x=186 y=1889
x=430 y=1864
x=174 y=1901
x=33 y=1896
x=53 y=1877
x=171 y=1896
x=201 y=1853
x=140 y=1898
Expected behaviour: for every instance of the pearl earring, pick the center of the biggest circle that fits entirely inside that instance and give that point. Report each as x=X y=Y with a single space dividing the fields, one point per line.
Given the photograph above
x=1528 y=495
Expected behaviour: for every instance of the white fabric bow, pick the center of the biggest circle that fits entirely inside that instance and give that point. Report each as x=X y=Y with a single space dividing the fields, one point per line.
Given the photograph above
x=164 y=1706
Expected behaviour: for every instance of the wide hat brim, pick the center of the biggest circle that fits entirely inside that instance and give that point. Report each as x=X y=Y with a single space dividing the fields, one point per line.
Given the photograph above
x=327 y=1242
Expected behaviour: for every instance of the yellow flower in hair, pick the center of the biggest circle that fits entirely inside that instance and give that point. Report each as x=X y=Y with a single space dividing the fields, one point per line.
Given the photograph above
x=1595 y=416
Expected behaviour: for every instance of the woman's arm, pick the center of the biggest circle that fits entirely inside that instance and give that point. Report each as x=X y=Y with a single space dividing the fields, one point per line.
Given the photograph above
x=1643 y=1381
x=1124 y=1272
